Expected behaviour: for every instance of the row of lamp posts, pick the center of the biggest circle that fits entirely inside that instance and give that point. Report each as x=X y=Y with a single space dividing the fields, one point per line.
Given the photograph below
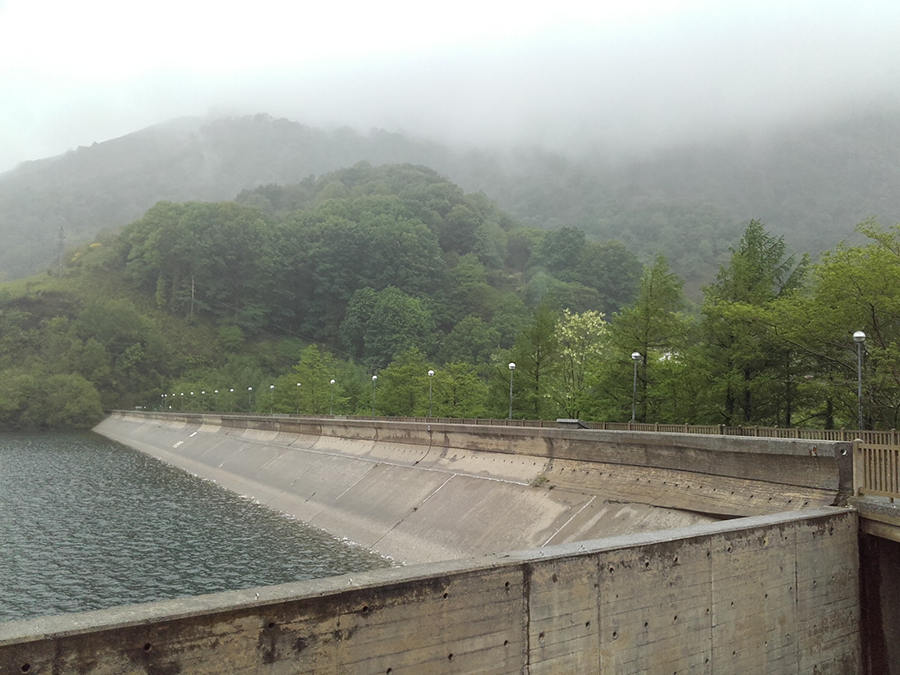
x=859 y=337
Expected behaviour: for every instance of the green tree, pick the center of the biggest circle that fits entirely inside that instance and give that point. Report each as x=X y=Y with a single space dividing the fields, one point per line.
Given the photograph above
x=458 y=391
x=380 y=325
x=654 y=327
x=314 y=372
x=536 y=355
x=403 y=386
x=745 y=366
x=582 y=340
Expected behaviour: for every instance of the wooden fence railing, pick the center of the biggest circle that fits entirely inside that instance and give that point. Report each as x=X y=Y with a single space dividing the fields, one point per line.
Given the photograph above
x=876 y=469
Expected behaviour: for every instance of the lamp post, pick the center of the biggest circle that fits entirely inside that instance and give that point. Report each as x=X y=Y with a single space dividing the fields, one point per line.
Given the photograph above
x=332 y=399
x=181 y=406
x=298 y=398
x=191 y=403
x=512 y=369
x=430 y=380
x=202 y=406
x=859 y=338
x=635 y=356
x=249 y=399
x=271 y=399
x=374 y=380
x=231 y=398
x=216 y=401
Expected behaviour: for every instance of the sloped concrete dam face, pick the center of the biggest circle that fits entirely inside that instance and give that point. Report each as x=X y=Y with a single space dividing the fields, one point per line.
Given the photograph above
x=413 y=503
x=775 y=593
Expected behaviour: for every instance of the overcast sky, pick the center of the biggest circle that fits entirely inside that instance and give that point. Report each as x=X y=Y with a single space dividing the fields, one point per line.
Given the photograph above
x=618 y=73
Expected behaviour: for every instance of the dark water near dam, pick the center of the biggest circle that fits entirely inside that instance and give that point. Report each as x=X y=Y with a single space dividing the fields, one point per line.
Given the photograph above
x=87 y=523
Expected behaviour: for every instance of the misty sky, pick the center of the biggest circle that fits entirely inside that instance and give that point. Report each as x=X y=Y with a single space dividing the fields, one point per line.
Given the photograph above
x=623 y=74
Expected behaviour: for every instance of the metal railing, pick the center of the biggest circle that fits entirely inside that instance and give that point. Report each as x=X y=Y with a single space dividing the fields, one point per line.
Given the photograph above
x=875 y=437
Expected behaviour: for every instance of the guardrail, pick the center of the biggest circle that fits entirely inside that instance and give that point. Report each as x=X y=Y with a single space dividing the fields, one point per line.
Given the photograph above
x=876 y=469
x=874 y=437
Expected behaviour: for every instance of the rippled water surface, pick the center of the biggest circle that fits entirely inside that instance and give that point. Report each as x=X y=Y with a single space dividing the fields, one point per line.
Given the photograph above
x=87 y=523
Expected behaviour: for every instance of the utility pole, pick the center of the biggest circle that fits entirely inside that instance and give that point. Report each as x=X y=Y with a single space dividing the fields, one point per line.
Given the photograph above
x=61 y=248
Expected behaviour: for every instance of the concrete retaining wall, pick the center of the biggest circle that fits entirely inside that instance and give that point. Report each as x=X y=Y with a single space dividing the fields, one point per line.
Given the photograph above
x=420 y=492
x=768 y=595
x=413 y=503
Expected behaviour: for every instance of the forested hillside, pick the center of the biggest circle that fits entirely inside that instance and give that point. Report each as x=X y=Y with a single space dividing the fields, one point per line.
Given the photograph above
x=341 y=294
x=809 y=183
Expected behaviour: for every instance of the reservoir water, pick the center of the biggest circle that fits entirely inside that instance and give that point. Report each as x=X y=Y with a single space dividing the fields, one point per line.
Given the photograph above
x=87 y=523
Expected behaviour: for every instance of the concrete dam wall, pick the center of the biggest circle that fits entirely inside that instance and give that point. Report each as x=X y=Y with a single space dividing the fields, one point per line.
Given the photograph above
x=775 y=592
x=421 y=493
x=768 y=595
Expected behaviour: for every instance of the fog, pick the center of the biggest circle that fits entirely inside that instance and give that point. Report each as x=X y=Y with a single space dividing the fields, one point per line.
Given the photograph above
x=648 y=75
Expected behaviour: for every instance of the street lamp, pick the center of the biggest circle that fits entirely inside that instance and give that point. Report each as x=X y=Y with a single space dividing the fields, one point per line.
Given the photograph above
x=271 y=398
x=202 y=406
x=635 y=356
x=298 y=398
x=249 y=399
x=216 y=401
x=182 y=402
x=374 y=380
x=192 y=402
x=859 y=337
x=430 y=380
x=332 y=399
x=512 y=368
x=231 y=398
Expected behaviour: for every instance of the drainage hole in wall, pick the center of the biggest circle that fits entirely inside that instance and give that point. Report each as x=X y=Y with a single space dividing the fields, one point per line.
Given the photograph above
x=506 y=585
x=450 y=657
x=541 y=635
x=505 y=643
x=389 y=671
x=675 y=619
x=587 y=624
x=26 y=667
x=446 y=595
x=554 y=578
x=270 y=625
x=646 y=624
x=676 y=559
x=647 y=564
x=148 y=647
x=365 y=609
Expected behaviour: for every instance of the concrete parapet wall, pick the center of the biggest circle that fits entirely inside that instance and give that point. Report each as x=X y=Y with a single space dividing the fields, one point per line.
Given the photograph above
x=768 y=595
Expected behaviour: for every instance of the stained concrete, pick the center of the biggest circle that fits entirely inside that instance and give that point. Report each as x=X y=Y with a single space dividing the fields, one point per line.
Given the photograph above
x=412 y=503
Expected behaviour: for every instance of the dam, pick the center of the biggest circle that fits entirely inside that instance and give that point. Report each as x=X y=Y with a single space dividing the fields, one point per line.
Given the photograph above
x=524 y=550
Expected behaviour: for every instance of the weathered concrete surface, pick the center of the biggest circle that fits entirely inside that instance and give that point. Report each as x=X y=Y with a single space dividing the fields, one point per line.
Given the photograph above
x=768 y=595
x=413 y=503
